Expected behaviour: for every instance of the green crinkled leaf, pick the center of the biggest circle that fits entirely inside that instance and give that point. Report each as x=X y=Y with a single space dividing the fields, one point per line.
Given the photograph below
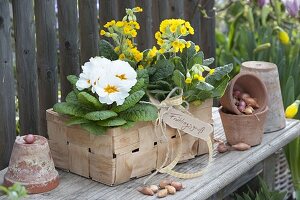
x=72 y=98
x=100 y=115
x=112 y=122
x=69 y=109
x=143 y=74
x=140 y=112
x=140 y=85
x=178 y=78
x=107 y=50
x=204 y=86
x=164 y=69
x=196 y=59
x=72 y=79
x=164 y=85
x=178 y=64
x=219 y=73
x=208 y=61
x=187 y=54
x=76 y=121
x=130 y=101
x=219 y=90
x=89 y=100
x=93 y=128
x=128 y=125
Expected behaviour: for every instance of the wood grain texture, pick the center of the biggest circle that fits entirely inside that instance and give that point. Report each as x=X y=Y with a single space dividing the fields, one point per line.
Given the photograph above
x=89 y=33
x=24 y=30
x=145 y=34
x=7 y=88
x=107 y=11
x=68 y=43
x=46 y=58
x=192 y=14
x=164 y=12
x=225 y=169
x=207 y=29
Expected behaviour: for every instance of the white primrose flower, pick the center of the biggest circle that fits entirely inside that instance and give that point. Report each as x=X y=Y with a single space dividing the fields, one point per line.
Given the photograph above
x=112 y=90
x=124 y=72
x=92 y=72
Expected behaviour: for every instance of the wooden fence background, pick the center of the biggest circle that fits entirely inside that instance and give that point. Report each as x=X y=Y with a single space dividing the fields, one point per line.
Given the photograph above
x=52 y=36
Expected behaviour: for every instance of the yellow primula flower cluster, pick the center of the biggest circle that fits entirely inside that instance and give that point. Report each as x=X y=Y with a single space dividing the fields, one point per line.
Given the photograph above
x=123 y=34
x=169 y=36
x=196 y=73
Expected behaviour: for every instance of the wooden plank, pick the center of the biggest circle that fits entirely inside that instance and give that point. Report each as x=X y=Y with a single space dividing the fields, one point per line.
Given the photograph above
x=176 y=8
x=207 y=29
x=107 y=11
x=7 y=95
x=192 y=14
x=122 y=5
x=26 y=66
x=46 y=58
x=89 y=33
x=68 y=43
x=225 y=169
x=145 y=34
x=164 y=12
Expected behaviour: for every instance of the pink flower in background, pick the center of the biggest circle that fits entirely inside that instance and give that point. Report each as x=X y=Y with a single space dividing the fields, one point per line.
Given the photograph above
x=261 y=3
x=292 y=6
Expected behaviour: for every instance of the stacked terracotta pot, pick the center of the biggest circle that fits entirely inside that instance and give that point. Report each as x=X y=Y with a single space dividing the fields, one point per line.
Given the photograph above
x=244 y=110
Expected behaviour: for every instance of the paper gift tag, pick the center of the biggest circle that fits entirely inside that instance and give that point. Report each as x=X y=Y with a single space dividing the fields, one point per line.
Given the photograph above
x=187 y=123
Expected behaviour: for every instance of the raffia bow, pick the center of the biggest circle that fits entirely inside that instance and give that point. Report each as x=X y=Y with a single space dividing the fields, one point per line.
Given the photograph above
x=163 y=107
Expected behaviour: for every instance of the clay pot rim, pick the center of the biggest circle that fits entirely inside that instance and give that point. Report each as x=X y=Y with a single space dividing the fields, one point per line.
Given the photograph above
x=243 y=115
x=232 y=84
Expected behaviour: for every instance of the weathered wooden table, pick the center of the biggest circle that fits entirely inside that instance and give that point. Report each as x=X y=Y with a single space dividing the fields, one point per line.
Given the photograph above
x=227 y=172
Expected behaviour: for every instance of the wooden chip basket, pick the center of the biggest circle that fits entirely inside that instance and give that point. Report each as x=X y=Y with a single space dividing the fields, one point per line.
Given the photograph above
x=120 y=154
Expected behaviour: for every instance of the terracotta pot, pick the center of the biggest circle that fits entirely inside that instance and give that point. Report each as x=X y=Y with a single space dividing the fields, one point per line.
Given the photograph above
x=247 y=129
x=249 y=83
x=268 y=72
x=32 y=166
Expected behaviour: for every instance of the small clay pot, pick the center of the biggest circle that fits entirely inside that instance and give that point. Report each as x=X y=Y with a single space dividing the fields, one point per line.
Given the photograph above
x=248 y=83
x=32 y=166
x=247 y=129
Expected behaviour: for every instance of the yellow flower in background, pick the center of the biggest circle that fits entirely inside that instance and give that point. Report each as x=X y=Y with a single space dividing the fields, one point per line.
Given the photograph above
x=109 y=24
x=201 y=79
x=158 y=35
x=120 y=24
x=102 y=32
x=122 y=56
x=196 y=76
x=152 y=52
x=283 y=37
x=211 y=71
x=188 y=44
x=117 y=49
x=292 y=109
x=183 y=30
x=197 y=48
x=188 y=80
x=140 y=67
x=137 y=9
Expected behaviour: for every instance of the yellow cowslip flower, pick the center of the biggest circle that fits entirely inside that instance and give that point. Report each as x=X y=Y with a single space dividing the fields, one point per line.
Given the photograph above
x=160 y=42
x=158 y=35
x=283 y=37
x=201 y=79
x=133 y=33
x=188 y=80
x=122 y=56
x=120 y=23
x=173 y=28
x=140 y=67
x=183 y=30
x=211 y=71
x=188 y=44
x=196 y=76
x=292 y=109
x=109 y=24
x=162 y=50
x=117 y=49
x=127 y=30
x=191 y=31
x=102 y=32
x=137 y=9
x=197 y=48
x=138 y=56
x=187 y=25
x=129 y=43
x=152 y=52
x=181 y=46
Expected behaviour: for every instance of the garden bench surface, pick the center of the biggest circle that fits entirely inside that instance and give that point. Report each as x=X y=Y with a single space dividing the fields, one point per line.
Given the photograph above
x=227 y=172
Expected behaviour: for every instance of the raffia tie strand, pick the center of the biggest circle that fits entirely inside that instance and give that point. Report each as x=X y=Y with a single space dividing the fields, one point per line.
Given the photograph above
x=164 y=107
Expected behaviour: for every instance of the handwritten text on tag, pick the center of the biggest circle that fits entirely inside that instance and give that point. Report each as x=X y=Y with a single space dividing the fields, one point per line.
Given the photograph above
x=188 y=124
